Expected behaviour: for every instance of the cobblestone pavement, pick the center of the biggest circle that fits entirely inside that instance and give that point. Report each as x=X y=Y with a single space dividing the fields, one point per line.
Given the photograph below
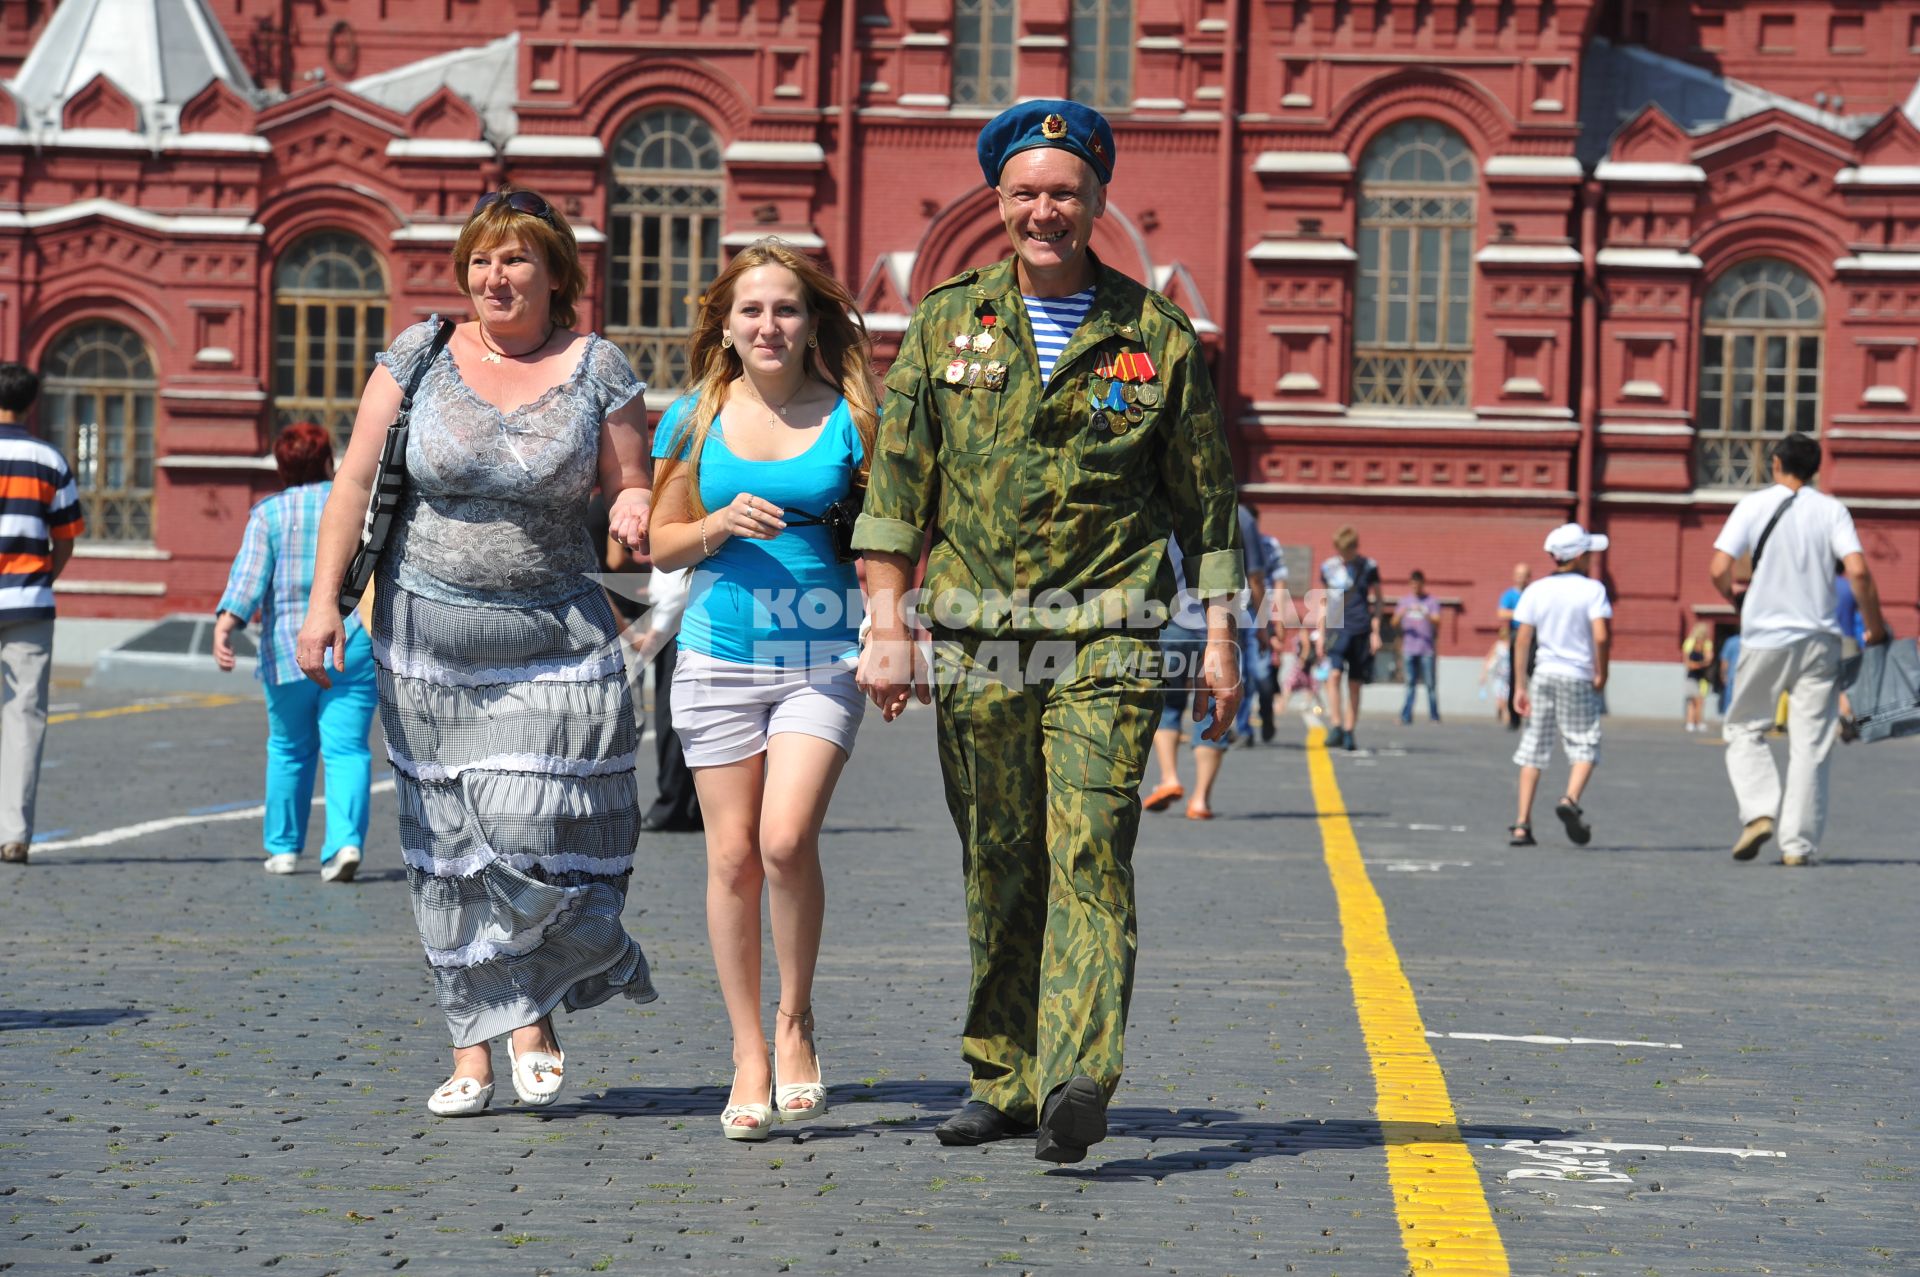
x=204 y=1069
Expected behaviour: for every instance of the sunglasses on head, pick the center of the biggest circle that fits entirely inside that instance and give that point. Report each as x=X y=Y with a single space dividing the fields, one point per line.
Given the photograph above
x=520 y=202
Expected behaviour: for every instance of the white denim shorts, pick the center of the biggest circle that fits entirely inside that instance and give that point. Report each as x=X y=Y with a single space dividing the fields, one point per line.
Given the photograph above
x=725 y=711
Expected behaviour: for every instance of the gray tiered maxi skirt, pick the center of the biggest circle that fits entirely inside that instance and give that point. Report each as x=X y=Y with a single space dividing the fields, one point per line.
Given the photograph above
x=513 y=739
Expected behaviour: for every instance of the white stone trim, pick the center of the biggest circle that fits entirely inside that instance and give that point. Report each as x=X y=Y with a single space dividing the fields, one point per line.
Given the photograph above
x=1642 y=389
x=794 y=239
x=554 y=146
x=1646 y=429
x=774 y=153
x=10 y=136
x=1159 y=104
x=1299 y=381
x=1879 y=175
x=925 y=40
x=146 y=589
x=99 y=139
x=1884 y=395
x=885 y=321
x=439 y=148
x=215 y=396
x=1630 y=171
x=1523 y=386
x=1301 y=250
x=163 y=223
x=221 y=461
x=227 y=142
x=1647 y=259
x=213 y=355
x=1528 y=255
x=1533 y=166
x=938 y=101
x=1898 y=262
x=1041 y=42
x=1302 y=162
x=1160 y=43
x=129 y=551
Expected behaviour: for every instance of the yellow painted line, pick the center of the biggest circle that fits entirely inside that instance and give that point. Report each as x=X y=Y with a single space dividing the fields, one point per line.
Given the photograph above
x=1445 y=1223
x=209 y=701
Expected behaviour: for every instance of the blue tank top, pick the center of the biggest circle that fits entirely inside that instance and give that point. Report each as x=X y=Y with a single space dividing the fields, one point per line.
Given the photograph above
x=784 y=602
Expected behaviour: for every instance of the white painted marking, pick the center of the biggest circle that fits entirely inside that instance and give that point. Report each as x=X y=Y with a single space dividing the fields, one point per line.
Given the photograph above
x=1420 y=866
x=126 y=833
x=1438 y=829
x=1586 y=1162
x=1541 y=1039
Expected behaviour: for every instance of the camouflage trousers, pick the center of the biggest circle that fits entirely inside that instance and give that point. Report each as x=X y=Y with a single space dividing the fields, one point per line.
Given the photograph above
x=1042 y=747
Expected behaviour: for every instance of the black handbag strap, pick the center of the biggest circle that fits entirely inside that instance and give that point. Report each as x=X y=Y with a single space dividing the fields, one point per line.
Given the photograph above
x=441 y=337
x=1767 y=531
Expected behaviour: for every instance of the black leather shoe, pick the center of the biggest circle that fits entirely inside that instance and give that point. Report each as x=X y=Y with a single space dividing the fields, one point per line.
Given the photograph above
x=662 y=825
x=1074 y=1117
x=979 y=1123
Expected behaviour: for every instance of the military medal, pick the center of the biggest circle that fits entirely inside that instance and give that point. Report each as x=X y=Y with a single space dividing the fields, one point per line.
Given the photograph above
x=1118 y=424
x=996 y=376
x=1149 y=395
x=1130 y=393
x=1053 y=128
x=962 y=343
x=1100 y=420
x=1135 y=413
x=982 y=341
x=956 y=371
x=973 y=372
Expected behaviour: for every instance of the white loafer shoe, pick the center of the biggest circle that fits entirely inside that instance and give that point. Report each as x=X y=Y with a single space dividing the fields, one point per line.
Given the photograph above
x=537 y=1075
x=460 y=1097
x=281 y=863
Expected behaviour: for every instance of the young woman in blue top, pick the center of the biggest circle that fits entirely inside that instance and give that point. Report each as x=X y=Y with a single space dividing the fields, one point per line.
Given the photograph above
x=777 y=426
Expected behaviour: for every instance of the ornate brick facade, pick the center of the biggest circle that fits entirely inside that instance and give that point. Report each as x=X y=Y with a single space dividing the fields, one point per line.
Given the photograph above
x=1465 y=268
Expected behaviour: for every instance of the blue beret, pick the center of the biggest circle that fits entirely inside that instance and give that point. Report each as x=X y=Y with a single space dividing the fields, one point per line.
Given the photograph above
x=1063 y=125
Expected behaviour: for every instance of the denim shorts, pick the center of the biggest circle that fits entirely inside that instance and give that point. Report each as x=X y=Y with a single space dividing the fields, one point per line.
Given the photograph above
x=1180 y=653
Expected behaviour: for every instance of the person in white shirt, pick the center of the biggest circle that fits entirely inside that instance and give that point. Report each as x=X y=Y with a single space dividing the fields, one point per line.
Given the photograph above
x=1566 y=616
x=1789 y=645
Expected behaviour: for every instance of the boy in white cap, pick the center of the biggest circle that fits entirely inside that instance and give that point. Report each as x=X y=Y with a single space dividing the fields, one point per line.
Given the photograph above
x=1567 y=615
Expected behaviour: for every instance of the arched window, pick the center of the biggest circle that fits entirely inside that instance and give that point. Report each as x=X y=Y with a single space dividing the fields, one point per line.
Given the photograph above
x=1412 y=324
x=1102 y=41
x=1759 y=370
x=983 y=36
x=663 y=237
x=329 y=321
x=98 y=407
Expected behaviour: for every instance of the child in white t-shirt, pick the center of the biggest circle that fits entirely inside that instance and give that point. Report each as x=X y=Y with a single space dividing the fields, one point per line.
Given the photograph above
x=1566 y=617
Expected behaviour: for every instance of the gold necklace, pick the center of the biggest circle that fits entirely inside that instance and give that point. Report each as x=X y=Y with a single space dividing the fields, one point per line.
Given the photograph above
x=772 y=419
x=494 y=352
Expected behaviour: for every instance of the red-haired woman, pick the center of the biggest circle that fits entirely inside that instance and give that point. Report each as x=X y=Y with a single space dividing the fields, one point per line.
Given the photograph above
x=776 y=428
x=305 y=722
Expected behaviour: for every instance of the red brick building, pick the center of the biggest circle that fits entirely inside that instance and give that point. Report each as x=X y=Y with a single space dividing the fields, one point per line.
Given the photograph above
x=1466 y=268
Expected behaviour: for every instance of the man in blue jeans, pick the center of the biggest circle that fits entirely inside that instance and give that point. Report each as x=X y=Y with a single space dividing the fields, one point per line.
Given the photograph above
x=1417 y=614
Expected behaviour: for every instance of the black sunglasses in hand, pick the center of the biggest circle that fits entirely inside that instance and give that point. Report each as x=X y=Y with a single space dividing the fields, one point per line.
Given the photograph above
x=520 y=202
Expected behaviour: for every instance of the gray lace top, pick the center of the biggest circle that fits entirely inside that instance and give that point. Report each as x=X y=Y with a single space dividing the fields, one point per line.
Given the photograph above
x=496 y=511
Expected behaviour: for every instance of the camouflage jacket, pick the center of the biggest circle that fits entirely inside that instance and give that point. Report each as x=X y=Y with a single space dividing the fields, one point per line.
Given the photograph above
x=1027 y=489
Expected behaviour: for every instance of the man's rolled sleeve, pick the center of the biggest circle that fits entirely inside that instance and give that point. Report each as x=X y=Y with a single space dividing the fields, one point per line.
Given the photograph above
x=1199 y=478
x=902 y=482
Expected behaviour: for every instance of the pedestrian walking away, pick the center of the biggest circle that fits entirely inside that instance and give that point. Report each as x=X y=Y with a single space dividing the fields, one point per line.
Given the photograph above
x=1051 y=422
x=306 y=723
x=1254 y=614
x=1697 y=651
x=1567 y=619
x=1503 y=613
x=43 y=519
x=517 y=828
x=1417 y=614
x=676 y=803
x=758 y=463
x=1790 y=642
x=1349 y=640
x=1183 y=647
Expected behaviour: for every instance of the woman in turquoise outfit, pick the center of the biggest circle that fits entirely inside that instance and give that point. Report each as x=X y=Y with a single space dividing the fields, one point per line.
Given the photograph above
x=776 y=430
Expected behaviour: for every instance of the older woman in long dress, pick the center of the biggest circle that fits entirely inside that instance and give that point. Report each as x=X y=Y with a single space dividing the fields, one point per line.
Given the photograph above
x=502 y=692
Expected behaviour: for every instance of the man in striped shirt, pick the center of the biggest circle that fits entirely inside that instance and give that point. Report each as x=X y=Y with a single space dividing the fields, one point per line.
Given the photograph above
x=39 y=519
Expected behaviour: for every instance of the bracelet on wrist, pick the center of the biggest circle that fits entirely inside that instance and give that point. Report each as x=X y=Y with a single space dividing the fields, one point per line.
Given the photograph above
x=705 y=553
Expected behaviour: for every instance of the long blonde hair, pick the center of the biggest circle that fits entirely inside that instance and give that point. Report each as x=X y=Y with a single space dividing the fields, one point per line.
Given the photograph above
x=843 y=358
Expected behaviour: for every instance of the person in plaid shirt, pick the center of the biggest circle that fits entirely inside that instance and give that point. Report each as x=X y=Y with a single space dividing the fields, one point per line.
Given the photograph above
x=273 y=575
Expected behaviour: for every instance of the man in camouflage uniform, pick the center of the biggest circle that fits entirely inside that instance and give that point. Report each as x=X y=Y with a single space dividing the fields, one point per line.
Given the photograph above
x=1047 y=504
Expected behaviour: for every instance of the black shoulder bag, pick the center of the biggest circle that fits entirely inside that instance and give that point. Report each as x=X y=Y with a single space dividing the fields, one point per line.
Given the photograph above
x=1767 y=531
x=389 y=483
x=838 y=519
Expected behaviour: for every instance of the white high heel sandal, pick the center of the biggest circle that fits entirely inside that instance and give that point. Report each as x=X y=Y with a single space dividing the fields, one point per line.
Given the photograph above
x=732 y=1127
x=813 y=1092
